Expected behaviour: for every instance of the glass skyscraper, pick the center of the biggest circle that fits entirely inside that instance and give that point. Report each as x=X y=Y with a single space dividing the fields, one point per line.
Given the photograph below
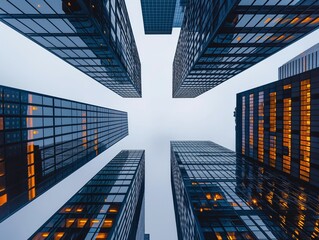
x=220 y=195
x=110 y=206
x=305 y=61
x=219 y=39
x=43 y=139
x=206 y=203
x=161 y=16
x=277 y=124
x=94 y=36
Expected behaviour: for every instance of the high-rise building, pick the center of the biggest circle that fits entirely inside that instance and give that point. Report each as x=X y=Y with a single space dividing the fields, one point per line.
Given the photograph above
x=93 y=36
x=289 y=203
x=43 y=139
x=160 y=17
x=305 y=61
x=219 y=39
x=110 y=206
x=277 y=124
x=206 y=202
x=219 y=194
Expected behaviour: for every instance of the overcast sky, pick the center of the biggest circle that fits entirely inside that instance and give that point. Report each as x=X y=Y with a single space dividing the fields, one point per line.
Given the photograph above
x=154 y=120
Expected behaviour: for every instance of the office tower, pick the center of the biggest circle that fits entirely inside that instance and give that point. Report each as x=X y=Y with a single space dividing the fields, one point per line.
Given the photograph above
x=219 y=39
x=289 y=203
x=161 y=16
x=305 y=61
x=110 y=206
x=93 y=36
x=44 y=139
x=277 y=124
x=207 y=204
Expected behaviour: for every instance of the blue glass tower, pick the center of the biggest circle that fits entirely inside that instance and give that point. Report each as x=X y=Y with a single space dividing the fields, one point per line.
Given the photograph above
x=219 y=194
x=219 y=39
x=109 y=206
x=94 y=36
x=44 y=139
x=161 y=16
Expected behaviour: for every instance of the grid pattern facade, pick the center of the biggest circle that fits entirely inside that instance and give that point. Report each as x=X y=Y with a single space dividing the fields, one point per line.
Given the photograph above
x=107 y=207
x=290 y=204
x=158 y=16
x=304 y=62
x=285 y=125
x=44 y=139
x=206 y=201
x=219 y=39
x=93 y=36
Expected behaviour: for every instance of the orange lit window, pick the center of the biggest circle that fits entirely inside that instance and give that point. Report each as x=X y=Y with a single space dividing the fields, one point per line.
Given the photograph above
x=108 y=223
x=273 y=128
x=69 y=222
x=305 y=106
x=113 y=209
x=3 y=199
x=81 y=222
x=287 y=133
x=58 y=235
x=101 y=236
x=208 y=196
x=261 y=127
x=30 y=148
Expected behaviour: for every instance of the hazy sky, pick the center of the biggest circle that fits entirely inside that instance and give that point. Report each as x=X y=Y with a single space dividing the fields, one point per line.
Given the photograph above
x=154 y=120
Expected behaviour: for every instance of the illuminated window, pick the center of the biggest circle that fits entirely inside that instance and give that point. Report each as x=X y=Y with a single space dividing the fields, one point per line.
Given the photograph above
x=305 y=99
x=287 y=133
x=261 y=127
x=108 y=223
x=273 y=115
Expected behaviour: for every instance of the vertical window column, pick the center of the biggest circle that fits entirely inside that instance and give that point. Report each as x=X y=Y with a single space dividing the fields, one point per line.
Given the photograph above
x=261 y=127
x=273 y=115
x=251 y=125
x=243 y=143
x=305 y=99
x=287 y=133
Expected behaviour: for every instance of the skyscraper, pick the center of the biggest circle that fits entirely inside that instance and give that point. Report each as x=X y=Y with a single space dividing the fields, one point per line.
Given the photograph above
x=206 y=203
x=43 y=139
x=110 y=206
x=220 y=195
x=161 y=16
x=219 y=39
x=94 y=36
x=277 y=125
x=305 y=61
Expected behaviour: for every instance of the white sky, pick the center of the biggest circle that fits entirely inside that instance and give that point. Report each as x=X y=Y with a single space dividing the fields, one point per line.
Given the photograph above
x=154 y=120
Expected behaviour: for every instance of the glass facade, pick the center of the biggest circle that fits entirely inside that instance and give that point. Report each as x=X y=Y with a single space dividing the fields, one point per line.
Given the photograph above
x=94 y=36
x=288 y=203
x=219 y=39
x=161 y=16
x=285 y=126
x=209 y=200
x=304 y=62
x=43 y=139
x=109 y=206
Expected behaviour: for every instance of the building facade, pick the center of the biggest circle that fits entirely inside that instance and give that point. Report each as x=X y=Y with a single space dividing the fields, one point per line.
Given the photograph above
x=305 y=61
x=43 y=139
x=160 y=17
x=219 y=39
x=290 y=204
x=219 y=194
x=110 y=206
x=277 y=125
x=206 y=202
x=93 y=36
